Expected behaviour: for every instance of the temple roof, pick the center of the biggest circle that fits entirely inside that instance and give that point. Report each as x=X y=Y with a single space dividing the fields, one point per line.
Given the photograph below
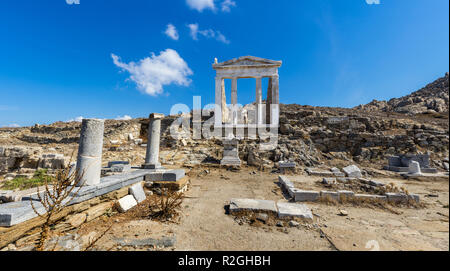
x=247 y=61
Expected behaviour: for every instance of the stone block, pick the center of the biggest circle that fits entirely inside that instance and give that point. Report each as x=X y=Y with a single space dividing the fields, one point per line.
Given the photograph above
x=113 y=163
x=285 y=182
x=330 y=195
x=171 y=175
x=76 y=220
x=237 y=205
x=352 y=171
x=97 y=210
x=397 y=197
x=414 y=168
x=343 y=194
x=289 y=210
x=14 y=213
x=303 y=195
x=120 y=168
x=126 y=203
x=329 y=180
x=138 y=192
x=370 y=197
x=287 y=164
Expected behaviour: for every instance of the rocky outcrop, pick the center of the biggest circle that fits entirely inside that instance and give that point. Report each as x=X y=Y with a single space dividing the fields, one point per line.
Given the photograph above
x=433 y=98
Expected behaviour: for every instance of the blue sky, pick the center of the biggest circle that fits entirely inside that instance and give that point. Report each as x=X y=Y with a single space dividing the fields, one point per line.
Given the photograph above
x=56 y=59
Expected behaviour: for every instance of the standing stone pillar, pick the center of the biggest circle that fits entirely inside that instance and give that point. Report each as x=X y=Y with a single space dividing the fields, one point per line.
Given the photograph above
x=259 y=116
x=89 y=160
x=153 y=138
x=225 y=113
x=274 y=111
x=218 y=102
x=234 y=100
x=269 y=100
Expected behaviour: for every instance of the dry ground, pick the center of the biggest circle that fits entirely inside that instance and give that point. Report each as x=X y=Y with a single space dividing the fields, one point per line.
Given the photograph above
x=204 y=224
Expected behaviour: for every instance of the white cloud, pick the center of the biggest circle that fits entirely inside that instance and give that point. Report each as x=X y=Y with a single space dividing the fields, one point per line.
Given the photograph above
x=71 y=2
x=13 y=125
x=77 y=119
x=171 y=32
x=200 y=5
x=152 y=73
x=227 y=4
x=125 y=117
x=208 y=33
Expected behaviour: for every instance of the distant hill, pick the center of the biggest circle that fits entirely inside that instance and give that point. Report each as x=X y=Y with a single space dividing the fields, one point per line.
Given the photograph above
x=433 y=98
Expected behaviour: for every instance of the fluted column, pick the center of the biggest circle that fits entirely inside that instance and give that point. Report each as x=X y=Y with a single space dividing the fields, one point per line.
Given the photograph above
x=218 y=102
x=258 y=101
x=234 y=100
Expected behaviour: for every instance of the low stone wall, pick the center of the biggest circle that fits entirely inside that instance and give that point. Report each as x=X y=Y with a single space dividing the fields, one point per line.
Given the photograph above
x=299 y=195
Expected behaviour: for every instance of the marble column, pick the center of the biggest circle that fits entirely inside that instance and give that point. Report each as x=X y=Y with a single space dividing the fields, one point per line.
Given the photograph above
x=234 y=100
x=258 y=102
x=274 y=111
x=218 y=102
x=89 y=160
x=154 y=134
x=269 y=100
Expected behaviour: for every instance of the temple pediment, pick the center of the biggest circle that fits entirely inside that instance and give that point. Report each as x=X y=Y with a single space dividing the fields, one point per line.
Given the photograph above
x=247 y=61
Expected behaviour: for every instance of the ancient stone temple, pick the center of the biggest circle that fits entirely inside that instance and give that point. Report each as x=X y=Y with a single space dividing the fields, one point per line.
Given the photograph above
x=247 y=67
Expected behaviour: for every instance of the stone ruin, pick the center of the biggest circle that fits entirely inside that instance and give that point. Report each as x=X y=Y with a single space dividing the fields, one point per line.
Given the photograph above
x=262 y=115
x=90 y=182
x=410 y=163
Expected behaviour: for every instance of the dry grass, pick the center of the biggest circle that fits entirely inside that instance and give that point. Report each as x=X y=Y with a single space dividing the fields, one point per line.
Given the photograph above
x=371 y=203
x=58 y=191
x=166 y=207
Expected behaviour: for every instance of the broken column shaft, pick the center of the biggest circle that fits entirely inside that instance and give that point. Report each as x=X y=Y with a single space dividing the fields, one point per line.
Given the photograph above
x=89 y=161
x=154 y=133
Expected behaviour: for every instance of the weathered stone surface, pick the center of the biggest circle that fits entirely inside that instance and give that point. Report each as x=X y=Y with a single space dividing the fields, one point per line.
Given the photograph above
x=17 y=212
x=154 y=135
x=284 y=164
x=237 y=205
x=76 y=220
x=414 y=168
x=402 y=198
x=287 y=210
x=230 y=153
x=370 y=197
x=329 y=180
x=163 y=242
x=98 y=210
x=138 y=192
x=89 y=161
x=302 y=195
x=113 y=163
x=166 y=175
x=352 y=171
x=126 y=203
x=285 y=182
x=343 y=194
x=329 y=195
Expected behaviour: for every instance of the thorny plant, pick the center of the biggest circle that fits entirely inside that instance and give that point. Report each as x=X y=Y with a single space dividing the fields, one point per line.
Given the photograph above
x=165 y=207
x=58 y=191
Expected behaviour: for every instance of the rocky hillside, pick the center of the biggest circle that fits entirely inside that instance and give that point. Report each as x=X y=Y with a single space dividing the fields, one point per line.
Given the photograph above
x=310 y=136
x=431 y=99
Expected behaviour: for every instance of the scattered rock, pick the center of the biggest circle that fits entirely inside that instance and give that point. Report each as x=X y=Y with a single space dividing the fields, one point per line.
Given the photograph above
x=343 y=213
